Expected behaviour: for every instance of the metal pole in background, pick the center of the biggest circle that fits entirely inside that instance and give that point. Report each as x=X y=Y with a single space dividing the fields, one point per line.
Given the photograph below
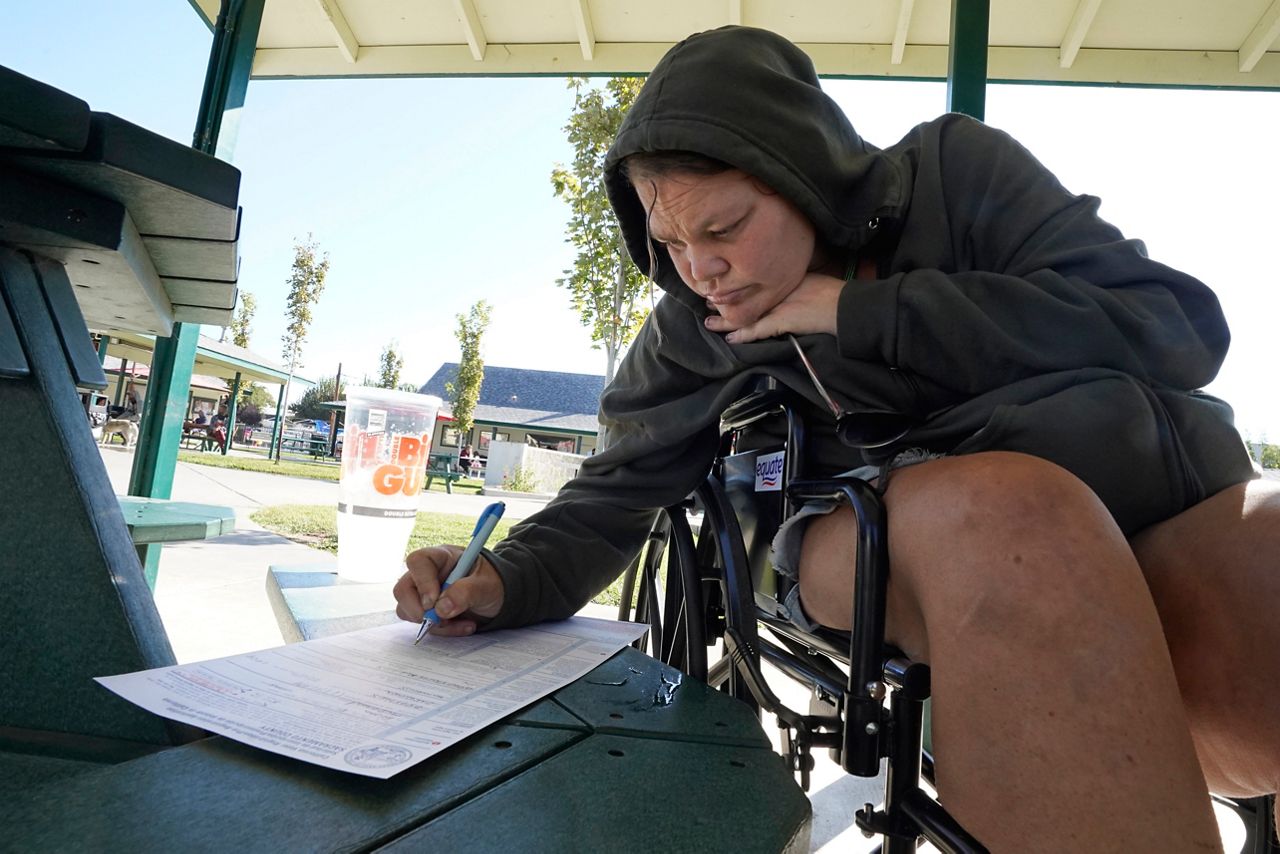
x=235 y=38
x=231 y=413
x=967 y=58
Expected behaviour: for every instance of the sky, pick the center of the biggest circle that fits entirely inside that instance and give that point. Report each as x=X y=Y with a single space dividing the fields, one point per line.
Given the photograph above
x=431 y=194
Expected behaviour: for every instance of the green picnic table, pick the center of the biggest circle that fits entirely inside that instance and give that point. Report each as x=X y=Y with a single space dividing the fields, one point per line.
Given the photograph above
x=153 y=521
x=157 y=520
x=632 y=757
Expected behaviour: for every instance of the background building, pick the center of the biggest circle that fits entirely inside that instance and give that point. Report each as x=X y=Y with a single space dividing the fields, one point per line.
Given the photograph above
x=550 y=409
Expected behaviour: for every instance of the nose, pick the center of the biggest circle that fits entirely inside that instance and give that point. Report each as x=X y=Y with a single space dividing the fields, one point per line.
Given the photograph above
x=706 y=265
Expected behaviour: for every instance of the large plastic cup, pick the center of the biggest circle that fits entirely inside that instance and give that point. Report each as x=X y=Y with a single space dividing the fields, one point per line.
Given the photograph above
x=385 y=450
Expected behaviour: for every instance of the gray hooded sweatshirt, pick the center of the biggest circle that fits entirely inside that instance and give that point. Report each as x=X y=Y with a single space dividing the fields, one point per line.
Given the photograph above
x=1004 y=315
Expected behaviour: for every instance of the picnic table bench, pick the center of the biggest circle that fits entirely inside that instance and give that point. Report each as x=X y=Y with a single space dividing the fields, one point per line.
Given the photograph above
x=443 y=466
x=158 y=520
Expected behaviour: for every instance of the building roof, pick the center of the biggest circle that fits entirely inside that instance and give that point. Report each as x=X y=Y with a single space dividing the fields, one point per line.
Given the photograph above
x=113 y=365
x=536 y=400
x=214 y=358
x=1133 y=42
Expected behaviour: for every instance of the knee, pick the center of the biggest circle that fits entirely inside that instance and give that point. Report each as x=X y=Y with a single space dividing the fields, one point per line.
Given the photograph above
x=1004 y=542
x=993 y=494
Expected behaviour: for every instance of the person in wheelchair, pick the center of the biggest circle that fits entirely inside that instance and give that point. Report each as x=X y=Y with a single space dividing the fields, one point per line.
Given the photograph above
x=1080 y=550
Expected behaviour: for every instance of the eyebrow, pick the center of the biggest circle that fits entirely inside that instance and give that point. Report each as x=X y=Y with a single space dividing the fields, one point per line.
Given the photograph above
x=704 y=226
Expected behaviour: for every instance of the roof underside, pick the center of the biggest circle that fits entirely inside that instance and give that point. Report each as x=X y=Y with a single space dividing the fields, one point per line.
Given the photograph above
x=213 y=359
x=1134 y=42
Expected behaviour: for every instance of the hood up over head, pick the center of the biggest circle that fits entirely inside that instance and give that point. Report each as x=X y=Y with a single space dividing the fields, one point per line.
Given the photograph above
x=751 y=99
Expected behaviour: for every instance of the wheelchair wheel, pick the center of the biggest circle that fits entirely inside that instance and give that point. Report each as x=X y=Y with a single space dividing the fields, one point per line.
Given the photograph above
x=664 y=588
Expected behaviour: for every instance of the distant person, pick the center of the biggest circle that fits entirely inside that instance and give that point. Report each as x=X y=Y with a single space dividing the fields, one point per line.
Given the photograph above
x=132 y=406
x=218 y=427
x=200 y=418
x=465 y=458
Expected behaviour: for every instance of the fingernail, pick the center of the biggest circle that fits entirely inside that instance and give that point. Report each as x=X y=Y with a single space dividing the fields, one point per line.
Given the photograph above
x=732 y=338
x=427 y=601
x=445 y=606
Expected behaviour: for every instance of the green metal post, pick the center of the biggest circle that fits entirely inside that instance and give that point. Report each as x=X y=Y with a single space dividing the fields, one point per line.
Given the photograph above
x=235 y=38
x=967 y=60
x=124 y=366
x=103 y=341
x=277 y=429
x=231 y=413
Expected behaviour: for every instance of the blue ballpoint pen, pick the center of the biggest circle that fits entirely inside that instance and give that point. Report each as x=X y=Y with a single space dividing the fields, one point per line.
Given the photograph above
x=466 y=561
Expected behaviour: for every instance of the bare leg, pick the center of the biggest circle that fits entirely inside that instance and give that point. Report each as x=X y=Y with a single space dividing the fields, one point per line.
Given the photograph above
x=1057 y=716
x=1214 y=572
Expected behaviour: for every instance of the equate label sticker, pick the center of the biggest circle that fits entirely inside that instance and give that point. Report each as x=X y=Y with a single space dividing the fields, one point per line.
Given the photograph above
x=769 y=471
x=377 y=421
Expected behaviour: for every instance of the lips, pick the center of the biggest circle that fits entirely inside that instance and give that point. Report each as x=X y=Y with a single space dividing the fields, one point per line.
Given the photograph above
x=728 y=297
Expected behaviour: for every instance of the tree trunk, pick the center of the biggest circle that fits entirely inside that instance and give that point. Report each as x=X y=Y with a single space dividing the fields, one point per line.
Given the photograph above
x=612 y=346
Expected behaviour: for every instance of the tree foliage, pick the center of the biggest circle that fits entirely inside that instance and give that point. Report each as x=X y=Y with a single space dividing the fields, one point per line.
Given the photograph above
x=252 y=394
x=242 y=321
x=389 y=366
x=605 y=288
x=464 y=392
x=308 y=406
x=306 y=283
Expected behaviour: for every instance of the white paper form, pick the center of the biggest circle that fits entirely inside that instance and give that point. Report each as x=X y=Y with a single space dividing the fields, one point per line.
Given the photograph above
x=370 y=702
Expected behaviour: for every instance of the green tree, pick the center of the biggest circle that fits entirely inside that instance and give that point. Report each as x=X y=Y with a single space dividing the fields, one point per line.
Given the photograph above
x=255 y=395
x=308 y=406
x=605 y=288
x=464 y=392
x=242 y=322
x=306 y=283
x=389 y=367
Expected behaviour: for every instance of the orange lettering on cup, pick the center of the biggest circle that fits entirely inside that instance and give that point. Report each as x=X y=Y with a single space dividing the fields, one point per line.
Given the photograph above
x=408 y=451
x=413 y=477
x=388 y=479
x=368 y=448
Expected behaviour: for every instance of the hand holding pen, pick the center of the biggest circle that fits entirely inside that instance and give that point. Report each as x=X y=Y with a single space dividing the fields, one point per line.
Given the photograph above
x=420 y=595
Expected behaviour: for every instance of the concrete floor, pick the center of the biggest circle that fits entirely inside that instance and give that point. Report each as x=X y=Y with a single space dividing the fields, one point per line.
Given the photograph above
x=212 y=599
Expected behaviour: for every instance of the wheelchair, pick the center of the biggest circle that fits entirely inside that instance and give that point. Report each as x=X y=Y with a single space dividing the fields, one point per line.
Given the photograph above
x=868 y=701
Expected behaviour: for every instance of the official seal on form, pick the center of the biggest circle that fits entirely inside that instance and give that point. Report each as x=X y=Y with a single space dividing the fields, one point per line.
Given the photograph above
x=376 y=756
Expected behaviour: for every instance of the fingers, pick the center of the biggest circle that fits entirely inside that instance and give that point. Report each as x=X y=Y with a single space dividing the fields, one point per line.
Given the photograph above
x=809 y=308
x=418 y=588
x=478 y=596
x=768 y=326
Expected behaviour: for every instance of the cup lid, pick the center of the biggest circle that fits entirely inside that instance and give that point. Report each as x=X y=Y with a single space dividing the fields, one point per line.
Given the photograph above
x=393 y=396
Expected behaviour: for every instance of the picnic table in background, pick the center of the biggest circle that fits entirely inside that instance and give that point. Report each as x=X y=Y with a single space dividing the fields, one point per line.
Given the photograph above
x=445 y=467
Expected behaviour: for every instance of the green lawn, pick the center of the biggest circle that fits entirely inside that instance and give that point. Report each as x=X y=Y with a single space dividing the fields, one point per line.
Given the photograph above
x=299 y=468
x=316 y=526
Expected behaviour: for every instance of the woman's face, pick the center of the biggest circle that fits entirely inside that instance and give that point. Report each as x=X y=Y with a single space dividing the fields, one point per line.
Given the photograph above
x=739 y=245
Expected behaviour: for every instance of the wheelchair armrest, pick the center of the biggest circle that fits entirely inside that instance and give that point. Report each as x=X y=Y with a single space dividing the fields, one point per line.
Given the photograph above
x=769 y=399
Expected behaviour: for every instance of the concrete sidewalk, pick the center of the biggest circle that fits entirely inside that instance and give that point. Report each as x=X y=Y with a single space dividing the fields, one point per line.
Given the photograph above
x=211 y=594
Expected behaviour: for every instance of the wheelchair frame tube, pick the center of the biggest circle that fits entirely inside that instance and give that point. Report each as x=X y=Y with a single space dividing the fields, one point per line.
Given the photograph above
x=860 y=753
x=740 y=606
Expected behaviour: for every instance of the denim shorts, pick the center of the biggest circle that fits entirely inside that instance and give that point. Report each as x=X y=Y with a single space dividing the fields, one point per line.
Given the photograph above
x=784 y=553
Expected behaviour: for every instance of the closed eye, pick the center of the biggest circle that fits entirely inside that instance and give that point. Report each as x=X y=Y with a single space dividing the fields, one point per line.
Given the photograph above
x=719 y=233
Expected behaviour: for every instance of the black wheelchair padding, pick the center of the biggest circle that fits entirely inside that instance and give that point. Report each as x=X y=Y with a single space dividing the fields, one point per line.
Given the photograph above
x=753 y=482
